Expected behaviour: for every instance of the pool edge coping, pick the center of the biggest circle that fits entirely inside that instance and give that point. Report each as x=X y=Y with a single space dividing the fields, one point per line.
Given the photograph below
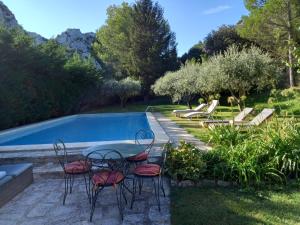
x=160 y=135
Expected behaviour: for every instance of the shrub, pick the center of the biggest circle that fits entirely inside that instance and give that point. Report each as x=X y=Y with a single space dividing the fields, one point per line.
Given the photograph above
x=282 y=142
x=123 y=89
x=226 y=135
x=185 y=162
x=40 y=82
x=256 y=157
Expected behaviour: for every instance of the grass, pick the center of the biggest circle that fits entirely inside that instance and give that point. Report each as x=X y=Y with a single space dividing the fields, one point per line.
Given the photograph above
x=191 y=206
x=192 y=126
x=259 y=101
x=196 y=206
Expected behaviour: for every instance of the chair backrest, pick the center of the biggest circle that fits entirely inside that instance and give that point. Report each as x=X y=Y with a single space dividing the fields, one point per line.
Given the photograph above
x=212 y=106
x=262 y=116
x=107 y=159
x=145 y=137
x=242 y=115
x=199 y=107
x=61 y=151
x=164 y=155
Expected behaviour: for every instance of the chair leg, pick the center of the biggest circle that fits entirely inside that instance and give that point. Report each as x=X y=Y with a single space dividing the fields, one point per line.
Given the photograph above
x=66 y=178
x=71 y=182
x=133 y=192
x=156 y=191
x=123 y=193
x=119 y=194
x=95 y=193
x=87 y=187
x=161 y=180
x=141 y=181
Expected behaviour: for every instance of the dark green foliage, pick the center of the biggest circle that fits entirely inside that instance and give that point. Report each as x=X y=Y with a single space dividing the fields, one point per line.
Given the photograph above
x=251 y=158
x=219 y=40
x=274 y=25
x=196 y=53
x=39 y=82
x=260 y=156
x=137 y=41
x=185 y=162
x=227 y=135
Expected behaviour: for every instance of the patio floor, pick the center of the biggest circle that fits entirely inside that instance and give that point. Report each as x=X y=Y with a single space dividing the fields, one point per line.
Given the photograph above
x=41 y=204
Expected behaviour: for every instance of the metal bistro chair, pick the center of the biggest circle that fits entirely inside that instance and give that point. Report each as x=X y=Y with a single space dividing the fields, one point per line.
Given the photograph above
x=71 y=169
x=154 y=171
x=145 y=138
x=109 y=169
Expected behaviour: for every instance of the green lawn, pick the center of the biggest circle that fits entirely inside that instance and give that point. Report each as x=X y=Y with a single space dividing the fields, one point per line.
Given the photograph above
x=290 y=107
x=192 y=126
x=228 y=206
x=196 y=206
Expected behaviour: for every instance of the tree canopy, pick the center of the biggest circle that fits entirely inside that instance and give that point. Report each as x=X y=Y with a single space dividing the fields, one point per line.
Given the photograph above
x=40 y=82
x=113 y=44
x=196 y=53
x=219 y=40
x=236 y=71
x=274 y=24
x=137 y=41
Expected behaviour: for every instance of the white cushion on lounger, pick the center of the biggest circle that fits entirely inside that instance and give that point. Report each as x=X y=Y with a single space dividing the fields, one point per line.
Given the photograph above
x=2 y=174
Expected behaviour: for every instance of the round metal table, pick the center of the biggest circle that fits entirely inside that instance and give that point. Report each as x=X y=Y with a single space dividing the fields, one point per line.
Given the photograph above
x=126 y=149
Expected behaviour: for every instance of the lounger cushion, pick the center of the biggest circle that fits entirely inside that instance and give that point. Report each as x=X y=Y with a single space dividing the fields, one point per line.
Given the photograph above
x=142 y=156
x=2 y=174
x=147 y=170
x=79 y=166
x=107 y=178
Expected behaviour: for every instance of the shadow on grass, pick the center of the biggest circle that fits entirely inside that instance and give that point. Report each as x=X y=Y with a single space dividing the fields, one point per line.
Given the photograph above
x=231 y=206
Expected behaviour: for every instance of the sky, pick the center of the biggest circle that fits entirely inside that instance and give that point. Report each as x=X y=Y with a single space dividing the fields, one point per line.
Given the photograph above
x=191 y=20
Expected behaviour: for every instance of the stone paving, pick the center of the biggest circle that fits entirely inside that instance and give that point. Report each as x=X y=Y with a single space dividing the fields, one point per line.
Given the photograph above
x=177 y=133
x=41 y=204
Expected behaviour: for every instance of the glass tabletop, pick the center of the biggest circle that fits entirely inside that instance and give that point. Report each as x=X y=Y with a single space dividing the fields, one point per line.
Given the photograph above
x=126 y=149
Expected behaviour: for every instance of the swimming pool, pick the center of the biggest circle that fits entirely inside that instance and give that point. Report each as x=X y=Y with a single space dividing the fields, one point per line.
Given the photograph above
x=80 y=130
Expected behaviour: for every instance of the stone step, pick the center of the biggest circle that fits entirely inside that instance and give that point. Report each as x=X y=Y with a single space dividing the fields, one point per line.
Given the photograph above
x=48 y=171
x=36 y=157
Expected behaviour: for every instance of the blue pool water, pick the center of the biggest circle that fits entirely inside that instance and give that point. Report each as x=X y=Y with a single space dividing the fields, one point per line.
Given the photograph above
x=83 y=128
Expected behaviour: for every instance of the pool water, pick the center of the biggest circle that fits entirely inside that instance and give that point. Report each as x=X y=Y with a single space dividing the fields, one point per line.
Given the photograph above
x=82 y=128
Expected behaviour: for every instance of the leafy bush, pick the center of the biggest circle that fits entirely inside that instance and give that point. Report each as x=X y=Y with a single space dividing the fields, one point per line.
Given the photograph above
x=124 y=89
x=260 y=156
x=179 y=85
x=40 y=82
x=226 y=135
x=185 y=162
x=282 y=142
x=236 y=71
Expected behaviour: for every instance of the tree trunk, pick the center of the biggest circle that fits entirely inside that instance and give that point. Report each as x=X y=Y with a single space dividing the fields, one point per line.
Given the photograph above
x=146 y=98
x=189 y=99
x=290 y=51
x=123 y=102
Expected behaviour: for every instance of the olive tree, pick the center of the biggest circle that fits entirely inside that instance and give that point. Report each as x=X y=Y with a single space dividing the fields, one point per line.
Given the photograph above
x=179 y=85
x=239 y=72
x=123 y=89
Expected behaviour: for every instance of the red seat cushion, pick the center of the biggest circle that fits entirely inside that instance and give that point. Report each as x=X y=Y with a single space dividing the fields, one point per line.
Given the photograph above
x=79 y=166
x=142 y=156
x=147 y=170
x=107 y=177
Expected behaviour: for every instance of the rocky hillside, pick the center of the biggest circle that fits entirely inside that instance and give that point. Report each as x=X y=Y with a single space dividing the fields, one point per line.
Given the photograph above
x=73 y=39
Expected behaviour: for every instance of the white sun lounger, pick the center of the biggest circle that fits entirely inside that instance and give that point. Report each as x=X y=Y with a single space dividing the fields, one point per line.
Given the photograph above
x=208 y=113
x=183 y=111
x=258 y=120
x=238 y=118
